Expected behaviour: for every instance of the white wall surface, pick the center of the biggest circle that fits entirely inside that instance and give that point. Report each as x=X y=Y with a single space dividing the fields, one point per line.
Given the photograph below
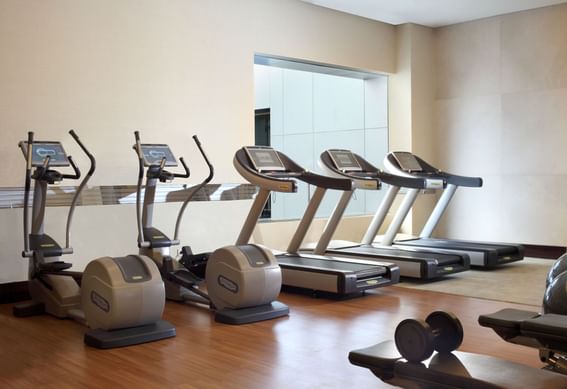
x=500 y=111
x=169 y=68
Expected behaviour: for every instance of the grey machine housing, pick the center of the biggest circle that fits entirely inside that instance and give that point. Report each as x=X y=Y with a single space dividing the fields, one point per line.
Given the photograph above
x=120 y=298
x=243 y=281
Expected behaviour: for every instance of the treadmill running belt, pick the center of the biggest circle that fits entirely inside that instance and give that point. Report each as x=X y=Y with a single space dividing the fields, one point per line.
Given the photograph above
x=385 y=253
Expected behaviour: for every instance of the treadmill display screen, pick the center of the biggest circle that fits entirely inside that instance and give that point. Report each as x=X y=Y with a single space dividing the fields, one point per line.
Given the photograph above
x=155 y=153
x=407 y=162
x=265 y=159
x=344 y=160
x=42 y=150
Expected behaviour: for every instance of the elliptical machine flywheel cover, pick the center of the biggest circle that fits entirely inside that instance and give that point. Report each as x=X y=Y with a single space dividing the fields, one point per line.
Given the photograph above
x=242 y=276
x=122 y=292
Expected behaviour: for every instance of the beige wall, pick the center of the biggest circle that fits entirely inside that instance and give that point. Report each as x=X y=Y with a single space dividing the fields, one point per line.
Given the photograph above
x=501 y=114
x=411 y=102
x=169 y=68
x=481 y=98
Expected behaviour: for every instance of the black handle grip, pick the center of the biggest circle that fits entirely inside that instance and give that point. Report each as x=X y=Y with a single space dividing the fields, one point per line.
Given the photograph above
x=46 y=161
x=87 y=153
x=138 y=148
x=196 y=139
x=204 y=155
x=77 y=172
x=185 y=167
x=325 y=182
x=471 y=182
x=29 y=157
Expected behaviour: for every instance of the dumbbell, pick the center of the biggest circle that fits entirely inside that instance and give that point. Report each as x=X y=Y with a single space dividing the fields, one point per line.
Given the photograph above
x=417 y=339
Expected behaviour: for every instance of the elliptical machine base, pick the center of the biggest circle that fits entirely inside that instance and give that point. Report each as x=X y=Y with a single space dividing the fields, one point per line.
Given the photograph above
x=269 y=311
x=105 y=339
x=243 y=282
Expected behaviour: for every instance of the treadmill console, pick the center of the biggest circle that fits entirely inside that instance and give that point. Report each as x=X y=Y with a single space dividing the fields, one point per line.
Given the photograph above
x=154 y=154
x=344 y=160
x=407 y=162
x=42 y=150
x=265 y=159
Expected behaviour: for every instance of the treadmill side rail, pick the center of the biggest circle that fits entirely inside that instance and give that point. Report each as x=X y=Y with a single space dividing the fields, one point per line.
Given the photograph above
x=335 y=276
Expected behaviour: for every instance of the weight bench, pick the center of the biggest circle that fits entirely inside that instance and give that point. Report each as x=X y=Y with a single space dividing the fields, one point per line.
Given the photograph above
x=452 y=370
x=546 y=332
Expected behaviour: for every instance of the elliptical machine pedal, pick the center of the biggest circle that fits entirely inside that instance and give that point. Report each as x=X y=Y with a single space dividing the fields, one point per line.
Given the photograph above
x=195 y=263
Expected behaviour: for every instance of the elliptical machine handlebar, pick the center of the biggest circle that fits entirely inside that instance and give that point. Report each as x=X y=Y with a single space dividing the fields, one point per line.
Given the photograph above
x=195 y=188
x=86 y=151
x=45 y=167
x=76 y=172
x=182 y=175
x=163 y=176
x=138 y=147
x=207 y=161
x=82 y=185
x=27 y=195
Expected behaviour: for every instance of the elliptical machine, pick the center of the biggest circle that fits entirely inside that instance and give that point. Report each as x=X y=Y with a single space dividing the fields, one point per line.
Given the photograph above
x=242 y=281
x=120 y=299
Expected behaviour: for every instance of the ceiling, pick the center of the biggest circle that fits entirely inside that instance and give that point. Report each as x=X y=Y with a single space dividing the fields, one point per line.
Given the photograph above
x=432 y=13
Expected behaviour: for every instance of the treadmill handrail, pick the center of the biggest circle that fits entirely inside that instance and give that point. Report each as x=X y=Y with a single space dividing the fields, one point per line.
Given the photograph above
x=471 y=182
x=430 y=171
x=326 y=182
x=374 y=173
x=404 y=182
x=263 y=180
x=293 y=170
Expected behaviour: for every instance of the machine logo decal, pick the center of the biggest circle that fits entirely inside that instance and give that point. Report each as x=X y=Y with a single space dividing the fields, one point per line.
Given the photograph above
x=229 y=285
x=100 y=301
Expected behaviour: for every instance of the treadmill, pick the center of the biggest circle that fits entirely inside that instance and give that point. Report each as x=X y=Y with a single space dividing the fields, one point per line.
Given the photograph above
x=272 y=170
x=413 y=262
x=485 y=255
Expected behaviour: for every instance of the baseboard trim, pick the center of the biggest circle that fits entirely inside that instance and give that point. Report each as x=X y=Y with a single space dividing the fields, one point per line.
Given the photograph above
x=13 y=292
x=547 y=252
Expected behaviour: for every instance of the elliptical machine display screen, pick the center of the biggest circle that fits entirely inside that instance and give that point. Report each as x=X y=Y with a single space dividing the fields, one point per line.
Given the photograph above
x=42 y=150
x=407 y=162
x=265 y=159
x=155 y=153
x=345 y=160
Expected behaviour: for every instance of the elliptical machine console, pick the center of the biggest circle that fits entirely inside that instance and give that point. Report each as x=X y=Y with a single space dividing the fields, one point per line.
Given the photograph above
x=242 y=281
x=120 y=299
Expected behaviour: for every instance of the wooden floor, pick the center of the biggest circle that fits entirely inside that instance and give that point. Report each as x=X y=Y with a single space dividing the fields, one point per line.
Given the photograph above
x=308 y=349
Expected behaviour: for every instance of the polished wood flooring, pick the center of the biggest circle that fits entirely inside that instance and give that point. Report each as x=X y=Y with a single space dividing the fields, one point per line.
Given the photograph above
x=308 y=349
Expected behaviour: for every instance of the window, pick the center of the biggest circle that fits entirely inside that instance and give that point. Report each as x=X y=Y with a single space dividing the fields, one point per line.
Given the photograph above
x=309 y=108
